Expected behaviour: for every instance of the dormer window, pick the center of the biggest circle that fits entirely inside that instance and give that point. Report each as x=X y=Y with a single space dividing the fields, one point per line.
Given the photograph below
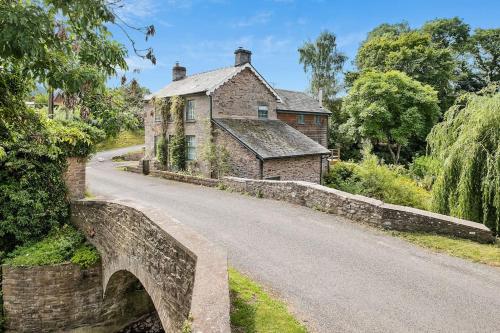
x=263 y=112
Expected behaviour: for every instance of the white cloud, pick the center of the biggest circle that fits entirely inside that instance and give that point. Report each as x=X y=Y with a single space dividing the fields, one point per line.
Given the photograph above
x=259 y=18
x=131 y=9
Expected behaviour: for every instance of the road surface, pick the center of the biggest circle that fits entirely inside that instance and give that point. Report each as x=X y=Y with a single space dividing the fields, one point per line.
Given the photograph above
x=336 y=275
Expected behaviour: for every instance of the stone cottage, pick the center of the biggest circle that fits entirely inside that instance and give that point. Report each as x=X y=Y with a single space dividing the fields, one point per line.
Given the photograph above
x=267 y=133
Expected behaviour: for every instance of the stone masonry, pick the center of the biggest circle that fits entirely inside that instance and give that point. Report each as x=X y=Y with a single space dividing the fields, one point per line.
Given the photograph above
x=241 y=96
x=182 y=272
x=66 y=298
x=360 y=208
x=306 y=168
x=74 y=177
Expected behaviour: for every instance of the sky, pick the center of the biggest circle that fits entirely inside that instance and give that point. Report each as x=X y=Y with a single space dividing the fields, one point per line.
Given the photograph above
x=203 y=34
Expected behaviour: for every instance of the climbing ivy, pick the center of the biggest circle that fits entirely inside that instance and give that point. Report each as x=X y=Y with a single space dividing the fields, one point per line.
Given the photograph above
x=467 y=143
x=178 y=141
x=163 y=105
x=217 y=157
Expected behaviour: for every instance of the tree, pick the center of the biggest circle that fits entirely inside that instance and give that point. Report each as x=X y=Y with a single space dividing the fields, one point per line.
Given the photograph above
x=412 y=53
x=453 y=33
x=389 y=30
x=322 y=59
x=484 y=47
x=390 y=108
x=467 y=143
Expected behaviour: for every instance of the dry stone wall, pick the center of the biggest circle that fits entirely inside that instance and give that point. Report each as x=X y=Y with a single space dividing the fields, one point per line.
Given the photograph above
x=360 y=208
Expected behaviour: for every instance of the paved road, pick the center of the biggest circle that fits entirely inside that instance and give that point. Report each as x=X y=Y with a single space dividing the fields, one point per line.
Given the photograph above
x=337 y=275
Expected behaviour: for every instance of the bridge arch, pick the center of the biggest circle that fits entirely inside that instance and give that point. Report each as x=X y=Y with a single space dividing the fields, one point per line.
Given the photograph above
x=183 y=274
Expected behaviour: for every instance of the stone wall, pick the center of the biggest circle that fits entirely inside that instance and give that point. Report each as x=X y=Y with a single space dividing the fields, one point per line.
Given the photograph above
x=306 y=168
x=241 y=96
x=318 y=133
x=66 y=298
x=360 y=208
x=181 y=271
x=199 y=127
x=74 y=177
x=242 y=162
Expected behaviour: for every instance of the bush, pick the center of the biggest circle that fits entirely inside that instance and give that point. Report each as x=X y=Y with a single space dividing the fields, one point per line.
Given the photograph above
x=373 y=179
x=61 y=245
x=424 y=170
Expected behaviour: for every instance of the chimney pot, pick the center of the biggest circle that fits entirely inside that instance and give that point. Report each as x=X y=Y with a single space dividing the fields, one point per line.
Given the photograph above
x=178 y=72
x=242 y=56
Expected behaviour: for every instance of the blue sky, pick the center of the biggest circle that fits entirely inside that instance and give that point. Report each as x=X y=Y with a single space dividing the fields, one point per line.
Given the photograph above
x=202 y=35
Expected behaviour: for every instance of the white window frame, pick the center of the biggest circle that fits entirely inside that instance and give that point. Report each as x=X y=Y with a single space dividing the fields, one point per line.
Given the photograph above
x=317 y=120
x=262 y=108
x=190 y=148
x=190 y=105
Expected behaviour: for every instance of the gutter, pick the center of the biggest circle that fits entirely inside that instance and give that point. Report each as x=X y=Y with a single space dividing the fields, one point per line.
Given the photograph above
x=324 y=113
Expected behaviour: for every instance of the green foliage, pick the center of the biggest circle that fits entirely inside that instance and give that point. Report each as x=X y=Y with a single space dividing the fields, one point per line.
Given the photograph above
x=253 y=310
x=412 y=53
x=467 y=143
x=484 y=47
x=324 y=62
x=452 y=32
x=178 y=141
x=389 y=30
x=390 y=108
x=61 y=245
x=217 y=157
x=162 y=151
x=425 y=169
x=75 y=138
x=373 y=179
x=123 y=139
x=85 y=256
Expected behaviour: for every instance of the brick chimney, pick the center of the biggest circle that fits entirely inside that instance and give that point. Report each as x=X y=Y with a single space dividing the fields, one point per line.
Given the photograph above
x=178 y=72
x=242 y=56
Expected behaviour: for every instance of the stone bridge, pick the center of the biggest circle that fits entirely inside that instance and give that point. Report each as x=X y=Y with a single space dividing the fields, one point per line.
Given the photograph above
x=185 y=275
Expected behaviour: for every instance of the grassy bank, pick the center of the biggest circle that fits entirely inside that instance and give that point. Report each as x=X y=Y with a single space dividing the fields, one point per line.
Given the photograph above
x=61 y=245
x=124 y=139
x=255 y=311
x=482 y=253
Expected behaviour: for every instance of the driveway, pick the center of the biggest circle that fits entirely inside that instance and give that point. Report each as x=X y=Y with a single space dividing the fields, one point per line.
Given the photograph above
x=336 y=275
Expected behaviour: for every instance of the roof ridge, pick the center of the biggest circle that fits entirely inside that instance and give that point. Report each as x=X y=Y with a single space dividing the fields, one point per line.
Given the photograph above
x=297 y=91
x=209 y=71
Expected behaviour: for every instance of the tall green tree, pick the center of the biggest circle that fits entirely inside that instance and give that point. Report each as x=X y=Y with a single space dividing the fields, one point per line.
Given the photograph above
x=389 y=30
x=324 y=62
x=390 y=109
x=412 y=53
x=467 y=143
x=484 y=47
x=448 y=32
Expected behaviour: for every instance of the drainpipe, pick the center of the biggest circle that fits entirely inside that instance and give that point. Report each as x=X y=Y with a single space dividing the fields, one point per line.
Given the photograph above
x=261 y=167
x=210 y=96
x=321 y=169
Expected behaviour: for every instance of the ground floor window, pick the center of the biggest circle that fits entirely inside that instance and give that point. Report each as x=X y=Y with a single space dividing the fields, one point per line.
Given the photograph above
x=155 y=144
x=190 y=147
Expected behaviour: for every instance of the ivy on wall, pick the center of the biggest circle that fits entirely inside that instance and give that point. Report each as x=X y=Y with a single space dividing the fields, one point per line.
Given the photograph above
x=178 y=141
x=217 y=157
x=163 y=105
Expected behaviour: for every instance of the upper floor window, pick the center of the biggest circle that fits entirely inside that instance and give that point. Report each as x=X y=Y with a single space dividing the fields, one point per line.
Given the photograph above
x=157 y=114
x=190 y=110
x=317 y=120
x=263 y=112
x=190 y=147
x=300 y=119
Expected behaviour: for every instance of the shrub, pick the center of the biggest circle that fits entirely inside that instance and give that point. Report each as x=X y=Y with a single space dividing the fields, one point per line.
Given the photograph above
x=379 y=181
x=425 y=169
x=61 y=245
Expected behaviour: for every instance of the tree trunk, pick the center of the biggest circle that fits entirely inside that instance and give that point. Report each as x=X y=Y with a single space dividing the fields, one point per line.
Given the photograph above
x=395 y=156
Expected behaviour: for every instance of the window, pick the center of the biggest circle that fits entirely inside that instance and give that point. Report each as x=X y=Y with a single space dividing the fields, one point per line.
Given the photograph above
x=317 y=120
x=155 y=143
x=157 y=114
x=262 y=112
x=190 y=110
x=300 y=119
x=190 y=147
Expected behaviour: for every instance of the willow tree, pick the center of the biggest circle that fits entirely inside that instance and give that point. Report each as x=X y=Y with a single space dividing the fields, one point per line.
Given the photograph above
x=468 y=144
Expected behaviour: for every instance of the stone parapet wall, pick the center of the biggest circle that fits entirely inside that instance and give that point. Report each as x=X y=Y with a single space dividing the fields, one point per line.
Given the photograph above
x=360 y=208
x=74 y=177
x=182 y=272
x=179 y=177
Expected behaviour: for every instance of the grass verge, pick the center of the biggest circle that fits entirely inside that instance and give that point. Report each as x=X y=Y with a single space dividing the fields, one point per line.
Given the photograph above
x=255 y=311
x=482 y=253
x=124 y=139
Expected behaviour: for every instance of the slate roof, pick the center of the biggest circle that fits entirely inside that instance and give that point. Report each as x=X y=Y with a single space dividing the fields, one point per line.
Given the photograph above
x=298 y=101
x=205 y=82
x=270 y=138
